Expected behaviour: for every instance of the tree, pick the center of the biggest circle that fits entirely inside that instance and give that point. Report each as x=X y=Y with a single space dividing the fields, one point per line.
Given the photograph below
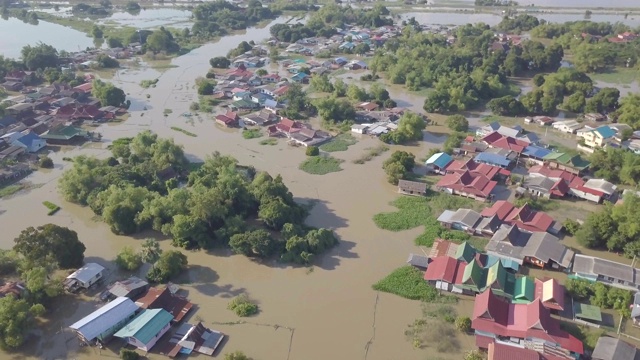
x=457 y=122
x=575 y=103
x=61 y=244
x=258 y=243
x=334 y=110
x=127 y=354
x=107 y=93
x=46 y=163
x=275 y=213
x=506 y=105
x=579 y=289
x=150 y=251
x=170 y=264
x=571 y=226
x=107 y=62
x=220 y=62
x=16 y=320
x=321 y=83
x=378 y=92
x=97 y=32
x=312 y=151
x=128 y=259
x=463 y=324
x=398 y=166
x=41 y=56
x=410 y=128
x=205 y=88
x=356 y=93
x=114 y=42
x=473 y=354
x=236 y=355
x=339 y=88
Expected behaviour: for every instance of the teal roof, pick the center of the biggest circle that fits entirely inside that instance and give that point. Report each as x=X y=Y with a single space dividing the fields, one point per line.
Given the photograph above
x=466 y=252
x=524 y=289
x=605 y=131
x=146 y=325
x=440 y=160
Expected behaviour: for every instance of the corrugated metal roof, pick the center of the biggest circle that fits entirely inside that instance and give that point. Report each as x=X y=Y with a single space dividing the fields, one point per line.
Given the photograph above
x=86 y=272
x=146 y=325
x=94 y=324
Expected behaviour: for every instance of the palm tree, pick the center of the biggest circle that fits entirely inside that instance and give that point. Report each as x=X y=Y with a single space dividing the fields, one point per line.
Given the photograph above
x=150 y=251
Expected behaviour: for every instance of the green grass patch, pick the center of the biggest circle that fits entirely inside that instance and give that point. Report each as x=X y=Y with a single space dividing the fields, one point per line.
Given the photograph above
x=618 y=75
x=251 y=133
x=408 y=282
x=320 y=165
x=10 y=190
x=269 y=141
x=339 y=143
x=53 y=208
x=371 y=153
x=149 y=83
x=188 y=133
x=588 y=336
x=422 y=211
x=166 y=112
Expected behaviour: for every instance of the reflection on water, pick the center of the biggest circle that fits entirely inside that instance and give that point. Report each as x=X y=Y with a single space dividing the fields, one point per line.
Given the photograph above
x=58 y=36
x=151 y=18
x=555 y=3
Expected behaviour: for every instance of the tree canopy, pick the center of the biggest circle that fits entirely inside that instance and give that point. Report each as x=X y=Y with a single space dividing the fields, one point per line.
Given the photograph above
x=107 y=93
x=50 y=242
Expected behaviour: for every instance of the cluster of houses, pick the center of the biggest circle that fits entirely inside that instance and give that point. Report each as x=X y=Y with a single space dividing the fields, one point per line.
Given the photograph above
x=344 y=41
x=48 y=115
x=512 y=312
x=142 y=317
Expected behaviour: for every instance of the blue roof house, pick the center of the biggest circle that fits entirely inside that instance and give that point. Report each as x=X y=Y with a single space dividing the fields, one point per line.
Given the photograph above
x=493 y=159
x=104 y=322
x=437 y=162
x=32 y=142
x=300 y=77
x=347 y=45
x=340 y=61
x=146 y=329
x=535 y=152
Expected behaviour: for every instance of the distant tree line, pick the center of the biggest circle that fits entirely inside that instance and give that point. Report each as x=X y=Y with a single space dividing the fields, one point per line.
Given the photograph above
x=131 y=194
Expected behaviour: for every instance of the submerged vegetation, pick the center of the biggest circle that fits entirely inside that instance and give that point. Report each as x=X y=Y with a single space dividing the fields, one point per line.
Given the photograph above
x=53 y=208
x=137 y=189
x=408 y=283
x=242 y=306
x=320 y=165
x=188 y=133
x=371 y=153
x=339 y=143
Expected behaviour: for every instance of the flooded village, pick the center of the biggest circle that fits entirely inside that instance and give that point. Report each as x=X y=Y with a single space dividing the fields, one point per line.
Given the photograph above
x=483 y=223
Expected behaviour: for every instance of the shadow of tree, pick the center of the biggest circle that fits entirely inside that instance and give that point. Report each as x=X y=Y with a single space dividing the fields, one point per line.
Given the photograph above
x=203 y=279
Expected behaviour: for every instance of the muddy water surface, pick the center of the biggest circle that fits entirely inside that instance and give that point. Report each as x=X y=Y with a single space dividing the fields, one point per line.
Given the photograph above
x=329 y=312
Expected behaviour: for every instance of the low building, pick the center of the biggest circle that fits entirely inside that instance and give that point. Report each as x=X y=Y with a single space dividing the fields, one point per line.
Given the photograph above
x=85 y=277
x=31 y=142
x=419 y=262
x=498 y=351
x=101 y=324
x=496 y=320
x=563 y=161
x=64 y=135
x=17 y=289
x=444 y=273
x=606 y=271
x=523 y=217
x=131 y=288
x=438 y=162
x=609 y=348
x=157 y=298
x=412 y=187
x=586 y=312
x=597 y=138
x=546 y=187
x=228 y=119
x=496 y=160
x=569 y=126
x=635 y=309
x=189 y=338
x=146 y=329
x=472 y=185
x=501 y=129
x=360 y=128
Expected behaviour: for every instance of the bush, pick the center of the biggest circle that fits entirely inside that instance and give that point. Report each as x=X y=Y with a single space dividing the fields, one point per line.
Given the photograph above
x=320 y=165
x=128 y=259
x=237 y=355
x=126 y=354
x=312 y=151
x=251 y=133
x=242 y=306
x=338 y=143
x=463 y=324
x=571 y=226
x=457 y=122
x=407 y=282
x=46 y=163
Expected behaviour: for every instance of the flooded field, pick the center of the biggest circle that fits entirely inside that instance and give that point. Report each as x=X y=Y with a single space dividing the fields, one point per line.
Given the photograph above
x=327 y=312
x=150 y=18
x=554 y=3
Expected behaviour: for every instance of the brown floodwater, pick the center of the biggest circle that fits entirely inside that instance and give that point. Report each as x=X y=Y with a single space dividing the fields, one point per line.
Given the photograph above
x=327 y=312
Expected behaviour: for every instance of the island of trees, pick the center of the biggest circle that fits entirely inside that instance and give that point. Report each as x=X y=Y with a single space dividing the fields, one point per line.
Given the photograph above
x=148 y=183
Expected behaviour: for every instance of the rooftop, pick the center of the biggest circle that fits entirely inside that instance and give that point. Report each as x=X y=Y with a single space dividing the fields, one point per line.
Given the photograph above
x=146 y=325
x=94 y=324
x=87 y=272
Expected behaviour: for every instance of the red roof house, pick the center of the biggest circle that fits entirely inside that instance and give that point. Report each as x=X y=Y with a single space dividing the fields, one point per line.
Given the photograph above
x=228 y=119
x=460 y=166
x=84 y=88
x=497 y=318
x=473 y=185
x=288 y=126
x=281 y=90
x=497 y=140
x=524 y=217
x=157 y=298
x=444 y=272
x=505 y=352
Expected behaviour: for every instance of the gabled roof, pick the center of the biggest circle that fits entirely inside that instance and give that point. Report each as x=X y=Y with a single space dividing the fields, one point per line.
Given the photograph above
x=609 y=348
x=146 y=325
x=87 y=272
x=29 y=138
x=157 y=298
x=524 y=217
x=587 y=312
x=536 y=152
x=460 y=166
x=524 y=289
x=498 y=351
x=125 y=287
x=472 y=183
x=445 y=268
x=551 y=292
x=494 y=315
x=575 y=161
x=605 y=131
x=101 y=320
x=466 y=252
x=590 y=265
x=440 y=160
x=490 y=159
x=474 y=275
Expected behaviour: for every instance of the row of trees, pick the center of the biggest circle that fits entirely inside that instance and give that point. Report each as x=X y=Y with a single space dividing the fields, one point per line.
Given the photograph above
x=219 y=17
x=600 y=295
x=613 y=227
x=616 y=165
x=131 y=194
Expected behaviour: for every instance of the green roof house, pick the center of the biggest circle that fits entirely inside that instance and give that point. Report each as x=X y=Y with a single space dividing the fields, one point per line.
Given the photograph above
x=146 y=329
x=587 y=312
x=64 y=135
x=574 y=164
x=524 y=291
x=466 y=252
x=501 y=281
x=474 y=277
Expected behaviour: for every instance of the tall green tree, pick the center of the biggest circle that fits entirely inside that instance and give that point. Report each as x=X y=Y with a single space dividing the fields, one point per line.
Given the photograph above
x=50 y=241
